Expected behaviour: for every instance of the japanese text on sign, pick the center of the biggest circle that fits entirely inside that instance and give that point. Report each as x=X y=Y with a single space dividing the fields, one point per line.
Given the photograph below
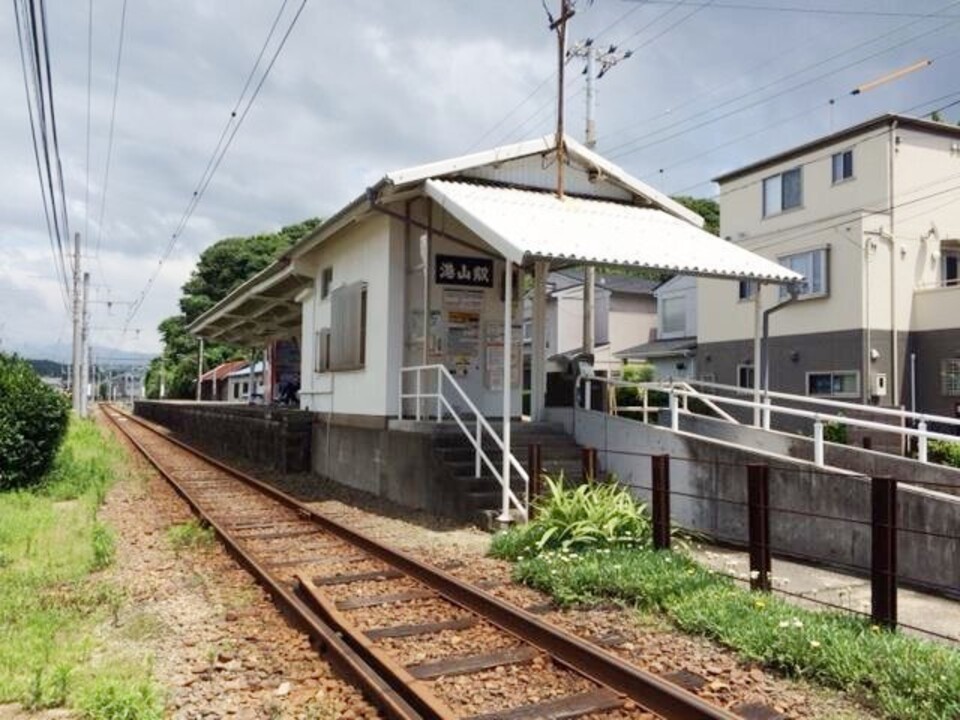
x=458 y=270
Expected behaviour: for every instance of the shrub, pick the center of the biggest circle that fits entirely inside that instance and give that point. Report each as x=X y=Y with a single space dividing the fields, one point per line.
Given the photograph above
x=835 y=432
x=944 y=452
x=635 y=373
x=33 y=420
x=572 y=518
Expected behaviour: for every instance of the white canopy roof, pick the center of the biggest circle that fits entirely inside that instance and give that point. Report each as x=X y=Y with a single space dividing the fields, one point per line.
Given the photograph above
x=526 y=224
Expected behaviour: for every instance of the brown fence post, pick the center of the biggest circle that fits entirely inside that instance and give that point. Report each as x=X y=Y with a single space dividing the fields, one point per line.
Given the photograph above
x=589 y=461
x=883 y=557
x=535 y=469
x=660 y=466
x=758 y=512
x=867 y=442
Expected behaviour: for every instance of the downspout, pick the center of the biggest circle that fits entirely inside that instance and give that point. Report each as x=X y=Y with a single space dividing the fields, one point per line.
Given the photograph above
x=894 y=344
x=794 y=291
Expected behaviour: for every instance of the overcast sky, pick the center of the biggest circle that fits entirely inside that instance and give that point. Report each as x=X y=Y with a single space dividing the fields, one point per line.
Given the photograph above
x=368 y=86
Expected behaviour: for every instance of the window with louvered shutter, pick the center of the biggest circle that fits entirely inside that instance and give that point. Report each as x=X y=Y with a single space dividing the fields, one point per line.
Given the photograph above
x=348 y=327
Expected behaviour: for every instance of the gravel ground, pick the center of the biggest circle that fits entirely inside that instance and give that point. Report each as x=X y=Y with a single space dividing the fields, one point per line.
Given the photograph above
x=218 y=644
x=647 y=642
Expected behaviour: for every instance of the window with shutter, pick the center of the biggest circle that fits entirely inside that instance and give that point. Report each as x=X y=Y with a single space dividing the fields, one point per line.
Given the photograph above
x=348 y=327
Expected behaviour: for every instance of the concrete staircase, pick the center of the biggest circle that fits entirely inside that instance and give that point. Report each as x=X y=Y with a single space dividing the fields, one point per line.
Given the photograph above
x=479 y=496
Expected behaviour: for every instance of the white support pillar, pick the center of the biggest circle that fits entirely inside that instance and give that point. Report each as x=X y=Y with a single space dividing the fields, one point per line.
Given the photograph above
x=757 y=372
x=538 y=360
x=507 y=347
x=200 y=372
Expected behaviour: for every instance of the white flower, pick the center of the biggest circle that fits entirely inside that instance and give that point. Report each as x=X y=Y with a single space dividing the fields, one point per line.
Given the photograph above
x=814 y=644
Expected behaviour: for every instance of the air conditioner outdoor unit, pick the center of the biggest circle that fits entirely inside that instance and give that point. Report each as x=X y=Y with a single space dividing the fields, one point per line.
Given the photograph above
x=878 y=384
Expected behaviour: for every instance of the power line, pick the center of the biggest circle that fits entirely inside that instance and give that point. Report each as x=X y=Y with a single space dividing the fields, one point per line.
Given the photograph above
x=29 y=41
x=113 y=117
x=629 y=147
x=795 y=9
x=544 y=83
x=222 y=147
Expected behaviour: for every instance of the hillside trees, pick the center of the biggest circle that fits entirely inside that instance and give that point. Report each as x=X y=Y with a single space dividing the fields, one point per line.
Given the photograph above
x=221 y=267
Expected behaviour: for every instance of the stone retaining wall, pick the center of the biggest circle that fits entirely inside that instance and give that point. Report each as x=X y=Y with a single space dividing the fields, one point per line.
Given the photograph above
x=279 y=438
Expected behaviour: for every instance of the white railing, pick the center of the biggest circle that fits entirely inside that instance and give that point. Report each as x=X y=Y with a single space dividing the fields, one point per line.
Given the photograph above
x=680 y=393
x=437 y=401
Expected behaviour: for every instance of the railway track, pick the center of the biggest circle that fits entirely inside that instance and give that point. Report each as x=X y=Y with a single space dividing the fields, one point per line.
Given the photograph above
x=416 y=640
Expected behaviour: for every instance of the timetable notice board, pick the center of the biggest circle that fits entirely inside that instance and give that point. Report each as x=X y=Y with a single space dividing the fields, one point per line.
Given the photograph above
x=493 y=355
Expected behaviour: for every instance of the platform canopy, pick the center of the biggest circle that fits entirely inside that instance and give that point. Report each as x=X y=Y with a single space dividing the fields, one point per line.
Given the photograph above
x=526 y=225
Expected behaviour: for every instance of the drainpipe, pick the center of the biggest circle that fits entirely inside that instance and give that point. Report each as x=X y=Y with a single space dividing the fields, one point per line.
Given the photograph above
x=765 y=349
x=895 y=360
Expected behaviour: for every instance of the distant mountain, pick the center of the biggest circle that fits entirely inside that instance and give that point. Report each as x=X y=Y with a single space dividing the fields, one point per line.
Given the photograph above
x=48 y=368
x=62 y=353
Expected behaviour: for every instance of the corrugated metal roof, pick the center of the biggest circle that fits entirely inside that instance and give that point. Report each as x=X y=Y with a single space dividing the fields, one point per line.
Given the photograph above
x=574 y=151
x=525 y=224
x=659 y=348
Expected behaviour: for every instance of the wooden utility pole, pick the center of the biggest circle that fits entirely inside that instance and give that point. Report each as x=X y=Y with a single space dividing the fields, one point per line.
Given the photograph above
x=559 y=25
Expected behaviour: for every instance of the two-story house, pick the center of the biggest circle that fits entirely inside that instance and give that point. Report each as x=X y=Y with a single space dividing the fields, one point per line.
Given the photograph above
x=673 y=350
x=870 y=215
x=625 y=313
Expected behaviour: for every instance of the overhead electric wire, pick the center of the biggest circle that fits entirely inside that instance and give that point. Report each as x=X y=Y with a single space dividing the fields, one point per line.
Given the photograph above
x=86 y=192
x=221 y=150
x=664 y=31
x=53 y=119
x=632 y=144
x=31 y=64
x=113 y=117
x=543 y=83
x=795 y=9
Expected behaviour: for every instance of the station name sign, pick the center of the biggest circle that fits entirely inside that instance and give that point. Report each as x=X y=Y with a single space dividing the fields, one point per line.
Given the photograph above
x=468 y=271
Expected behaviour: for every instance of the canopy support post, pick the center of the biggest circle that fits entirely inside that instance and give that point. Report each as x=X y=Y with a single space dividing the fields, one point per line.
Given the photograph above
x=538 y=375
x=507 y=347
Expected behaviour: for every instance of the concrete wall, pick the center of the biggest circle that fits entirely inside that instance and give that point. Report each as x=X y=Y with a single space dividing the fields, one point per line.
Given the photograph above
x=716 y=470
x=850 y=457
x=278 y=438
x=399 y=466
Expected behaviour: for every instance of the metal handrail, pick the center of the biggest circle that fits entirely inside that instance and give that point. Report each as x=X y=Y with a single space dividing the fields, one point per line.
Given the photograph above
x=676 y=391
x=853 y=407
x=476 y=440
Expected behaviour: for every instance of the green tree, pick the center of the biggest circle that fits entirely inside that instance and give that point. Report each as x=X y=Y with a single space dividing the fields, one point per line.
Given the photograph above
x=706 y=208
x=33 y=420
x=221 y=267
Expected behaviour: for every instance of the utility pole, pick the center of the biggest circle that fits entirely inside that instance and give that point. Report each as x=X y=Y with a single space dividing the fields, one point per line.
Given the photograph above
x=200 y=371
x=592 y=56
x=84 y=346
x=77 y=346
x=559 y=26
x=607 y=59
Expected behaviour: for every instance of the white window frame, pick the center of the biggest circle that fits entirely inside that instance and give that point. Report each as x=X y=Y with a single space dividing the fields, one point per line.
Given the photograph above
x=664 y=332
x=832 y=374
x=841 y=178
x=752 y=287
x=776 y=181
x=326 y=282
x=744 y=366
x=819 y=255
x=950 y=377
x=945 y=253
x=321 y=360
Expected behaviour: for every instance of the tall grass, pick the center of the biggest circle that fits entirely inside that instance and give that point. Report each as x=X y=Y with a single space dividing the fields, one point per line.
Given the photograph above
x=589 y=545
x=50 y=543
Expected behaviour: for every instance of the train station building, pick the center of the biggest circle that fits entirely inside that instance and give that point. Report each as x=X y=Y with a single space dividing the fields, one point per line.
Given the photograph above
x=407 y=304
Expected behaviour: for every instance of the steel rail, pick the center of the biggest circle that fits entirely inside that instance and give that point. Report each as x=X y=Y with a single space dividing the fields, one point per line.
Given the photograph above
x=329 y=643
x=583 y=657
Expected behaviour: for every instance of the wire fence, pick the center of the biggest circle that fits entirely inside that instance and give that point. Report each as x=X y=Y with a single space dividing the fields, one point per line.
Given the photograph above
x=880 y=523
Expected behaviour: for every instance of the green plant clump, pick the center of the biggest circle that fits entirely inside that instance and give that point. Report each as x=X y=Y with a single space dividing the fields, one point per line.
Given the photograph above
x=944 y=452
x=190 y=534
x=590 y=515
x=50 y=606
x=901 y=676
x=33 y=420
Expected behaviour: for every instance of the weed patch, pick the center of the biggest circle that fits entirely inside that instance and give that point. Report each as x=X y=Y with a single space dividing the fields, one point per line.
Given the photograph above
x=50 y=541
x=899 y=675
x=190 y=535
